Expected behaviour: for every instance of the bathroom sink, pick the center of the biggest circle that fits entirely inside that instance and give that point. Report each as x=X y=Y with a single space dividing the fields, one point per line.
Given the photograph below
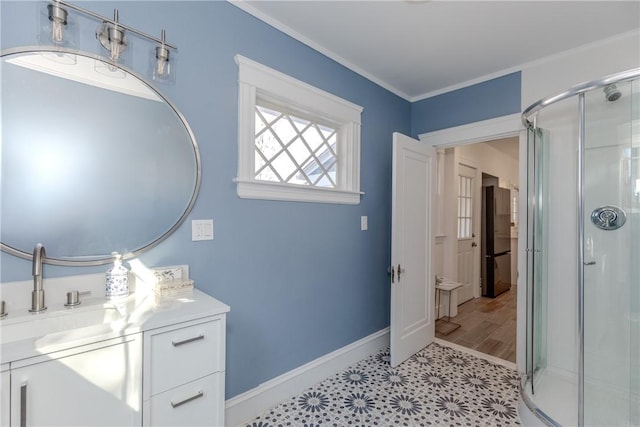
x=30 y=326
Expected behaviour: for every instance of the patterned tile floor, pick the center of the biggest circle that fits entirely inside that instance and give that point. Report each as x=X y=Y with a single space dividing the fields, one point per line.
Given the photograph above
x=439 y=386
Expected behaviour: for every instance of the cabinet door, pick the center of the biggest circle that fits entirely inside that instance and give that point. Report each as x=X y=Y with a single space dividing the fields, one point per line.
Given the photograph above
x=96 y=387
x=4 y=398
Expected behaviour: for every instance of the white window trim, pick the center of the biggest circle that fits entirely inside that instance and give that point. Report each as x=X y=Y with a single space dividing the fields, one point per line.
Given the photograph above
x=258 y=81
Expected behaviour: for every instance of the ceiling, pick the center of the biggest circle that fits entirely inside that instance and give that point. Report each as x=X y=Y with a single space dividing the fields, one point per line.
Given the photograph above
x=419 y=48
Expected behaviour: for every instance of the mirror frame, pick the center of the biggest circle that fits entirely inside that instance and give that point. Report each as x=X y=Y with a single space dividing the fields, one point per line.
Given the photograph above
x=94 y=261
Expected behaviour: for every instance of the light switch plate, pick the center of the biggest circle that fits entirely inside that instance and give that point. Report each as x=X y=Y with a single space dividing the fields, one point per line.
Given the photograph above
x=364 y=223
x=201 y=229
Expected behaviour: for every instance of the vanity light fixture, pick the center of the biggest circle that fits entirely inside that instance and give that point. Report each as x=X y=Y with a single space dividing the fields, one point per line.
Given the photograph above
x=112 y=35
x=56 y=26
x=162 y=62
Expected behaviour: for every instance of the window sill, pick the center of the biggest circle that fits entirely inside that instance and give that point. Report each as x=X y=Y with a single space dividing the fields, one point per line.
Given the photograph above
x=295 y=193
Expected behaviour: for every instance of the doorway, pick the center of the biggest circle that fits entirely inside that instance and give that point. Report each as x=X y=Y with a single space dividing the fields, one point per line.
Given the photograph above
x=487 y=320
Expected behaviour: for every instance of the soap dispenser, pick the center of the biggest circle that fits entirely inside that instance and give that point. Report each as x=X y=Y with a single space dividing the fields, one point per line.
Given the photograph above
x=117 y=285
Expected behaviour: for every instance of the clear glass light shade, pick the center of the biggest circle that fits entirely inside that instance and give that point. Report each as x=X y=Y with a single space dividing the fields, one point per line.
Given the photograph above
x=58 y=19
x=162 y=65
x=113 y=39
x=57 y=27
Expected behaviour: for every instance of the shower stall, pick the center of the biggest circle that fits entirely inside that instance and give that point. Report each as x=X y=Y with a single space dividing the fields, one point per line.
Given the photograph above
x=583 y=255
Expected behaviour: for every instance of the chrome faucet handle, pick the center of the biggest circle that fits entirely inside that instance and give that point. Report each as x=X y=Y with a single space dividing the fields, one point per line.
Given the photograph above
x=3 y=313
x=73 y=298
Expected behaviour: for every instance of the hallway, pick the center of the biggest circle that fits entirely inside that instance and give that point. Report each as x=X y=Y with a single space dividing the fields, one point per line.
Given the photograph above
x=488 y=325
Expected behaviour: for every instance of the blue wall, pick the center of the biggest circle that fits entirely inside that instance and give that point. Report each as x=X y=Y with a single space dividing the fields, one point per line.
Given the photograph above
x=302 y=280
x=482 y=101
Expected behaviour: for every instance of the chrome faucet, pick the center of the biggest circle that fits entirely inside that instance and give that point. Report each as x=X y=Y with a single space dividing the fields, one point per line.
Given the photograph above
x=37 y=296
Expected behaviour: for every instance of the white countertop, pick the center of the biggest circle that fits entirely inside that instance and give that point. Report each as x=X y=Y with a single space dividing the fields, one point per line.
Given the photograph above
x=25 y=335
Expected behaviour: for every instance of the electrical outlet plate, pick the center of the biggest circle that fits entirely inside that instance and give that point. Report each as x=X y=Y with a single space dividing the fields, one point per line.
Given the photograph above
x=201 y=229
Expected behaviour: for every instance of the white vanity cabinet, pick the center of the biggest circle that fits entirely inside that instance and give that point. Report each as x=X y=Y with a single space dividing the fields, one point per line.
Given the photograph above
x=185 y=381
x=90 y=385
x=159 y=362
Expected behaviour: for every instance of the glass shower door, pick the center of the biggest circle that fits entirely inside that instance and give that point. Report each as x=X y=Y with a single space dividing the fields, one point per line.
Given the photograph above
x=537 y=164
x=612 y=257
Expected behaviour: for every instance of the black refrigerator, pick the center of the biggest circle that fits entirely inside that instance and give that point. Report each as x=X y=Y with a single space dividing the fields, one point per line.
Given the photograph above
x=496 y=241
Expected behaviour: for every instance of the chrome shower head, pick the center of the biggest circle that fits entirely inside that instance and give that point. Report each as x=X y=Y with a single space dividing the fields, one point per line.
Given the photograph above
x=612 y=93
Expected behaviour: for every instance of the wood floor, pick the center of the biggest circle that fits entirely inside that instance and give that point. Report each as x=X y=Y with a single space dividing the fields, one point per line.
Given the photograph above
x=488 y=325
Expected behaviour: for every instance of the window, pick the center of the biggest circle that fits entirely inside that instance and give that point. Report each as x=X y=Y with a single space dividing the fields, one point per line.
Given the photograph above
x=295 y=142
x=293 y=150
x=464 y=207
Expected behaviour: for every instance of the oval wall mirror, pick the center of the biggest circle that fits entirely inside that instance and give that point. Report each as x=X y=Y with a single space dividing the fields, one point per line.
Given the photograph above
x=94 y=159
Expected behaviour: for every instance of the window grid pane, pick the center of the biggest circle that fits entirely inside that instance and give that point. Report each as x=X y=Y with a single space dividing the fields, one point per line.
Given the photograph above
x=465 y=207
x=292 y=150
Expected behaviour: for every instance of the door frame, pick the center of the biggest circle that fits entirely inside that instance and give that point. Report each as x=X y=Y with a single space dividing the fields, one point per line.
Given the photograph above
x=482 y=131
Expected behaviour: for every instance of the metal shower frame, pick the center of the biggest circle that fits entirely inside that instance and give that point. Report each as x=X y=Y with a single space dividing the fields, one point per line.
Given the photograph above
x=529 y=121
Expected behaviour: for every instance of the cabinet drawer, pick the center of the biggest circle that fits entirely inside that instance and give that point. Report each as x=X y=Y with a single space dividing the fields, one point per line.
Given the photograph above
x=185 y=354
x=198 y=403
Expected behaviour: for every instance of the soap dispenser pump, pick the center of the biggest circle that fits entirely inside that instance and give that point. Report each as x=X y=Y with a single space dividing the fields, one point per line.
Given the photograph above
x=117 y=285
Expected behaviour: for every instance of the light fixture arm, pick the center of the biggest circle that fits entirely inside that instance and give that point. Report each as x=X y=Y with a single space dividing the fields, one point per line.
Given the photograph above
x=162 y=51
x=114 y=22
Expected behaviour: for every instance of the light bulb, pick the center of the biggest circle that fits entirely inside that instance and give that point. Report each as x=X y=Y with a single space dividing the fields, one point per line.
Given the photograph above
x=115 y=50
x=56 y=32
x=163 y=66
x=58 y=18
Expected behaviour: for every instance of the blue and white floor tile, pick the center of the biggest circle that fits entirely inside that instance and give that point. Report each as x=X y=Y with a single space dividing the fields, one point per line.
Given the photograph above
x=439 y=386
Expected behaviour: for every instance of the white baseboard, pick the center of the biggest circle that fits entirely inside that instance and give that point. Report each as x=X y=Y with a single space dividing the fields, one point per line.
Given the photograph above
x=252 y=403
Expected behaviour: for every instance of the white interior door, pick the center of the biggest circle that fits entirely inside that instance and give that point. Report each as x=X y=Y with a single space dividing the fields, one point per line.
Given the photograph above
x=468 y=235
x=412 y=281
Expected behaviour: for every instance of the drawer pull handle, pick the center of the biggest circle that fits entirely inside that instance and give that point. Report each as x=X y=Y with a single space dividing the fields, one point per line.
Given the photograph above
x=187 y=341
x=188 y=399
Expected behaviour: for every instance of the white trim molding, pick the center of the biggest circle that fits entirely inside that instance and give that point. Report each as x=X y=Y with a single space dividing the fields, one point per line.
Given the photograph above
x=248 y=405
x=254 y=189
x=500 y=127
x=260 y=84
